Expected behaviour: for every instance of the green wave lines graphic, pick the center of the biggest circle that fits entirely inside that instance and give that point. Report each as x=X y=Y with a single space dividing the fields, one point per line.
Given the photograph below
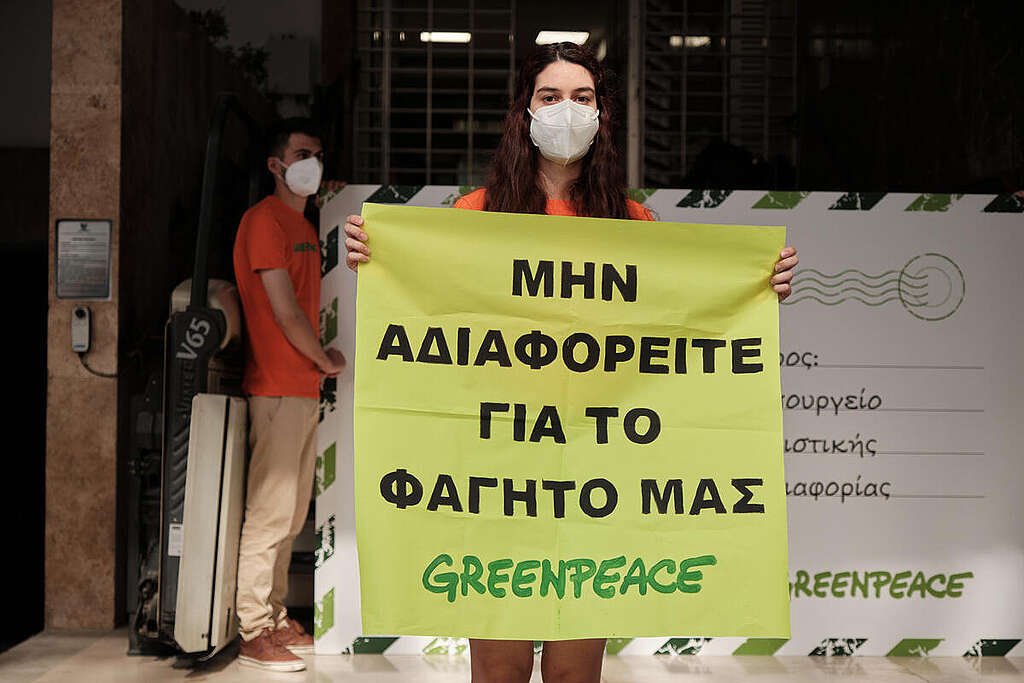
x=861 y=273
x=912 y=283
x=866 y=302
x=849 y=291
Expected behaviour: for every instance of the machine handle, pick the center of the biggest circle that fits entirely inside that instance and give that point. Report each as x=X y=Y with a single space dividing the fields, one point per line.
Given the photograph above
x=226 y=103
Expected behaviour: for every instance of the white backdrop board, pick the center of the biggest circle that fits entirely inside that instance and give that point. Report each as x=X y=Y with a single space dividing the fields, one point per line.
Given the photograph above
x=902 y=376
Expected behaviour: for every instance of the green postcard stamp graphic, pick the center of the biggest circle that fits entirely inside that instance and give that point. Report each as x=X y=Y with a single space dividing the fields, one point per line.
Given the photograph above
x=943 y=287
x=930 y=286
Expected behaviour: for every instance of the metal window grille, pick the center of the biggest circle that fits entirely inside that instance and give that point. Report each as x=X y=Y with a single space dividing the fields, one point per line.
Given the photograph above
x=714 y=70
x=431 y=112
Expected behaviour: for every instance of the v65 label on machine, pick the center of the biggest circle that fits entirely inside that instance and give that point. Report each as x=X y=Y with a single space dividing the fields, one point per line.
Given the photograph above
x=195 y=333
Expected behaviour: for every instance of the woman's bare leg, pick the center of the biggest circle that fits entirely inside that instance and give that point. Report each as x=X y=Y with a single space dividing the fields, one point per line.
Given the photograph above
x=501 y=661
x=572 y=661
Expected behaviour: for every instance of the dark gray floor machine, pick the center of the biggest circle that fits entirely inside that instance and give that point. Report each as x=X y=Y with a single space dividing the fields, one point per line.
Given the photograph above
x=188 y=482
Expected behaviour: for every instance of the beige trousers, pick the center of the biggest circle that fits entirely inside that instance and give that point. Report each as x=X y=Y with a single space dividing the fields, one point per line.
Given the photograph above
x=282 y=447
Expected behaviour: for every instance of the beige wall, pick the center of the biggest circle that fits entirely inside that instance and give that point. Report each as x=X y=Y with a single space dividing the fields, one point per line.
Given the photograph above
x=81 y=428
x=129 y=121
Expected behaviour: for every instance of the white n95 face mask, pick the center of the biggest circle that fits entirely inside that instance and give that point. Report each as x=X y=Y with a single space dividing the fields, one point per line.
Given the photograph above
x=563 y=132
x=303 y=177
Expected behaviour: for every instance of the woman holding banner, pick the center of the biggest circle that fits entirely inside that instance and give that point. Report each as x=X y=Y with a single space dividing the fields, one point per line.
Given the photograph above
x=556 y=156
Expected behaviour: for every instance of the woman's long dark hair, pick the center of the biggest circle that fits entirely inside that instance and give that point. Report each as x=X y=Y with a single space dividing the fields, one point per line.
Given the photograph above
x=600 y=189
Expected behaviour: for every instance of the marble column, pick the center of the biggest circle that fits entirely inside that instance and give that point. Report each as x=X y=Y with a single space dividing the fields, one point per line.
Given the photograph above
x=81 y=420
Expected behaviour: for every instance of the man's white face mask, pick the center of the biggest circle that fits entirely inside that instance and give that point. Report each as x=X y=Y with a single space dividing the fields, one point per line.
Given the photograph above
x=303 y=177
x=563 y=132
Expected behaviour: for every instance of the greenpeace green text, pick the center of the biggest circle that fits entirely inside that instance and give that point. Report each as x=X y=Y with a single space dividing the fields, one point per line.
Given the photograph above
x=868 y=584
x=505 y=577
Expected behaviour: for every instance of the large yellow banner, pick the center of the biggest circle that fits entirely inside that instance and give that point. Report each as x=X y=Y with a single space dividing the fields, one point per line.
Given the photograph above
x=568 y=428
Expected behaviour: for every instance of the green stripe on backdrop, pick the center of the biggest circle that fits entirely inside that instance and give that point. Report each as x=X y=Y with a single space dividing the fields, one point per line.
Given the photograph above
x=1007 y=203
x=703 y=199
x=857 y=201
x=914 y=647
x=394 y=194
x=992 y=647
x=780 y=200
x=323 y=615
x=329 y=322
x=838 y=647
x=328 y=396
x=682 y=646
x=831 y=647
x=640 y=195
x=760 y=646
x=615 y=645
x=324 y=543
x=446 y=646
x=326 y=470
x=329 y=252
x=934 y=202
x=462 y=192
x=373 y=645
x=326 y=196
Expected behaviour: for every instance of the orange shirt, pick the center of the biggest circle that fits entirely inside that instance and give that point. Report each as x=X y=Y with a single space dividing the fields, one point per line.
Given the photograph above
x=273 y=235
x=556 y=207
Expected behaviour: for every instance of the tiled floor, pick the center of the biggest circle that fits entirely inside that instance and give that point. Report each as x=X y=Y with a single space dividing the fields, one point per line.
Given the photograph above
x=100 y=657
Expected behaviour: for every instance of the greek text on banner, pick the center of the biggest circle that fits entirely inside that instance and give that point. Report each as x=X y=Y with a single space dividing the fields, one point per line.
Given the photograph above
x=568 y=428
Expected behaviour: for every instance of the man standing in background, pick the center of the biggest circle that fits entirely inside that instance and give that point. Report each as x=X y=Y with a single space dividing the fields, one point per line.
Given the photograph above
x=277 y=267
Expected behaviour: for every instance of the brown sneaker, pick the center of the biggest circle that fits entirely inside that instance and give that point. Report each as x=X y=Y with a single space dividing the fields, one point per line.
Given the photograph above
x=293 y=636
x=265 y=652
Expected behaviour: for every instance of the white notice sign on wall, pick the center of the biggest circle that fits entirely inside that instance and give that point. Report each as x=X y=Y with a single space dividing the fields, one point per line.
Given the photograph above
x=83 y=259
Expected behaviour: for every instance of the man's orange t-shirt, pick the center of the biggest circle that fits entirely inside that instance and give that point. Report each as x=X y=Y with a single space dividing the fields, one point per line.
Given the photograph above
x=273 y=235
x=556 y=207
